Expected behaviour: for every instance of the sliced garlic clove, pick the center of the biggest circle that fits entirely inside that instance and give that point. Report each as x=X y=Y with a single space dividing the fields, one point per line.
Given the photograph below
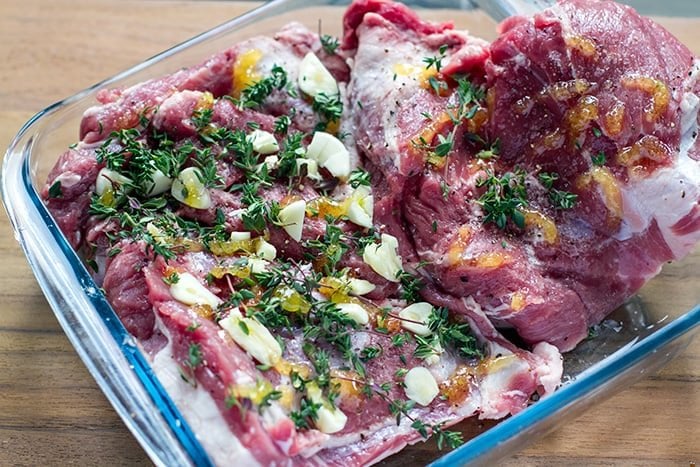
x=157 y=234
x=420 y=386
x=189 y=189
x=188 y=290
x=360 y=287
x=158 y=183
x=383 y=258
x=361 y=208
x=311 y=168
x=418 y=312
x=258 y=265
x=292 y=218
x=263 y=142
x=271 y=162
x=107 y=179
x=265 y=250
x=314 y=77
x=434 y=357
x=330 y=153
x=329 y=419
x=239 y=236
x=253 y=337
x=355 y=312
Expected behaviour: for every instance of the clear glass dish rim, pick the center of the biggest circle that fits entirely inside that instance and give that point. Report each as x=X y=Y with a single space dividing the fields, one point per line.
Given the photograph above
x=598 y=375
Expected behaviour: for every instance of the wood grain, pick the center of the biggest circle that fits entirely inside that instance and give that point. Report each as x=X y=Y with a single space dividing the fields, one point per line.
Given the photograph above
x=51 y=411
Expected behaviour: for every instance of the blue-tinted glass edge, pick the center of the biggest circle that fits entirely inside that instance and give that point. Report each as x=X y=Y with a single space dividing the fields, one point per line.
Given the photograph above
x=122 y=338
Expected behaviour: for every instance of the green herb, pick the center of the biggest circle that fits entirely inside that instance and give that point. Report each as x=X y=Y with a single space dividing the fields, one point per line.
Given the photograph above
x=468 y=96
x=410 y=286
x=420 y=427
x=399 y=339
x=598 y=159
x=112 y=252
x=328 y=107
x=321 y=361
x=447 y=438
x=201 y=118
x=270 y=314
x=426 y=346
x=255 y=94
x=436 y=61
x=444 y=145
x=331 y=247
x=399 y=408
x=206 y=163
x=291 y=149
x=92 y=264
x=269 y=397
x=194 y=359
x=244 y=327
x=237 y=297
x=368 y=353
x=503 y=198
x=259 y=211
x=171 y=279
x=445 y=189
x=307 y=411
x=231 y=401
x=359 y=177
x=55 y=190
x=438 y=86
x=562 y=199
x=597 y=132
x=547 y=179
x=455 y=335
x=282 y=123
x=329 y=44
x=490 y=153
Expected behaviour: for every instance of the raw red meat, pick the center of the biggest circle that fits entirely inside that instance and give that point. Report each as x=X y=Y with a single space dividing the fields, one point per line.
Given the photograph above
x=533 y=183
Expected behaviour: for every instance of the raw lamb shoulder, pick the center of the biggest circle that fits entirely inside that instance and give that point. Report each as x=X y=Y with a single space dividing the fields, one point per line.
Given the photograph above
x=302 y=313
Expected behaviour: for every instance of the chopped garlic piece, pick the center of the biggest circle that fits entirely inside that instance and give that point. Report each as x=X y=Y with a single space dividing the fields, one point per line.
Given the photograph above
x=157 y=184
x=314 y=77
x=355 y=312
x=434 y=357
x=263 y=142
x=420 y=385
x=311 y=168
x=330 y=153
x=190 y=291
x=271 y=162
x=265 y=250
x=383 y=258
x=330 y=419
x=292 y=218
x=189 y=189
x=361 y=208
x=416 y=312
x=359 y=286
x=252 y=336
x=258 y=265
x=240 y=236
x=157 y=234
x=106 y=179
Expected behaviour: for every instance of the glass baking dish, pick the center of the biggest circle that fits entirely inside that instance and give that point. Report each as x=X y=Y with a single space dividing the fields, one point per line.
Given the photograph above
x=634 y=341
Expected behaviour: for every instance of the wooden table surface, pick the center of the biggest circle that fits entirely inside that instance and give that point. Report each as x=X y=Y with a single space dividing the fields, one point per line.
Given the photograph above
x=51 y=411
